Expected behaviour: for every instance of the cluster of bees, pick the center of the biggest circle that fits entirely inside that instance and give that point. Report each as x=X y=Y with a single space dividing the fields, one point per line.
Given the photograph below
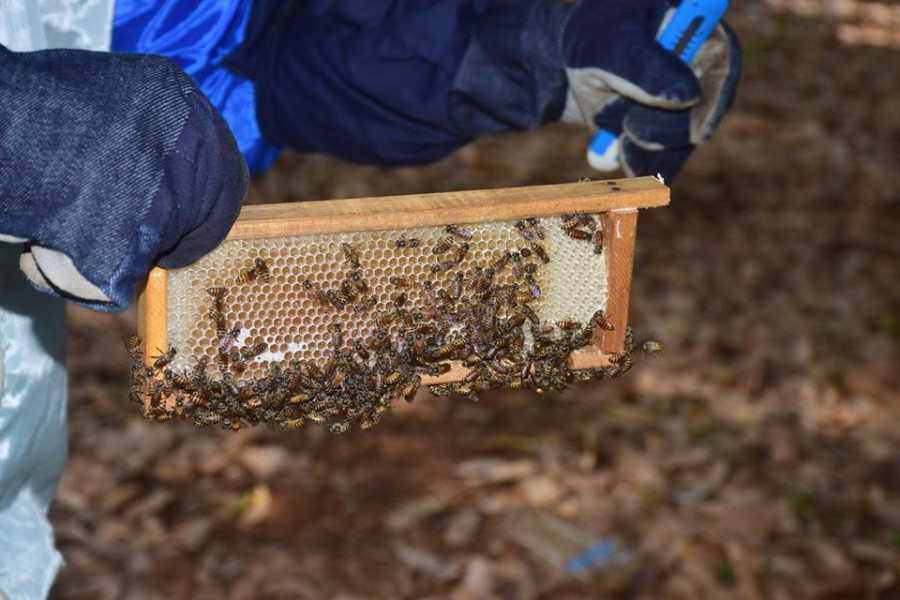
x=480 y=317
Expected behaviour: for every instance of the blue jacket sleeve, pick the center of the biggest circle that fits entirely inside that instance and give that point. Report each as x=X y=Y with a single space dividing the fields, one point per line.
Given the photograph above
x=401 y=81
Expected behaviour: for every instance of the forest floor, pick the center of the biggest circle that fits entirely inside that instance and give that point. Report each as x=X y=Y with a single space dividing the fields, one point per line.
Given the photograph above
x=757 y=457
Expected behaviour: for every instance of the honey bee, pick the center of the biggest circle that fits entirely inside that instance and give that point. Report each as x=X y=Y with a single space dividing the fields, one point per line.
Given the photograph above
x=351 y=254
x=459 y=232
x=466 y=389
x=249 y=353
x=570 y=222
x=329 y=367
x=587 y=221
x=262 y=269
x=651 y=347
x=625 y=364
x=533 y=287
x=222 y=359
x=183 y=380
x=522 y=296
x=515 y=320
x=228 y=340
x=237 y=362
x=217 y=292
x=315 y=417
x=451 y=347
x=366 y=424
x=339 y=428
x=221 y=325
x=405 y=242
x=442 y=368
x=337 y=336
x=164 y=359
x=335 y=300
x=530 y=229
x=542 y=254
x=409 y=389
x=599 y=319
x=136 y=392
x=394 y=378
x=629 y=339
x=456 y=289
x=364 y=306
x=443 y=266
x=133 y=345
x=443 y=245
x=461 y=253
x=293 y=424
x=501 y=262
x=347 y=293
x=359 y=283
x=530 y=314
x=577 y=234
x=259 y=270
x=383 y=320
x=399 y=281
x=617 y=358
x=299 y=398
x=568 y=324
x=440 y=390
x=361 y=350
x=534 y=233
x=400 y=300
x=428 y=291
x=598 y=238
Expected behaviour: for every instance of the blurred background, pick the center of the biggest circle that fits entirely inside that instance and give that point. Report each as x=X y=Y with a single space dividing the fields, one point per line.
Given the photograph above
x=757 y=457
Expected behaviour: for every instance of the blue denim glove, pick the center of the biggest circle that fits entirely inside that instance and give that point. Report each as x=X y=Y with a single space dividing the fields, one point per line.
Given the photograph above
x=620 y=79
x=110 y=163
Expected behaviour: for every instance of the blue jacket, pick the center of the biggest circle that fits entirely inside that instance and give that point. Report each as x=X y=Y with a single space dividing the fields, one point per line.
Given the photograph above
x=401 y=81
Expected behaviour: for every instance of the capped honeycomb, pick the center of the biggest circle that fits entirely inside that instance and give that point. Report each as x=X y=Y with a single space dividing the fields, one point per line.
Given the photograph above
x=293 y=310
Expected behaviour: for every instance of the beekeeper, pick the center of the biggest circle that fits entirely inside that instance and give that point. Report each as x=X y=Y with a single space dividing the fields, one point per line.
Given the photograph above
x=111 y=162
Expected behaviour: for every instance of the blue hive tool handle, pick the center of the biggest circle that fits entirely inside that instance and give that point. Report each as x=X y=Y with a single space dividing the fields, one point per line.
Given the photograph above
x=690 y=27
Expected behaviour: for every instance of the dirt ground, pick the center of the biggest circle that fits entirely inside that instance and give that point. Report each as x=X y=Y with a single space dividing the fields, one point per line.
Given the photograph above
x=758 y=457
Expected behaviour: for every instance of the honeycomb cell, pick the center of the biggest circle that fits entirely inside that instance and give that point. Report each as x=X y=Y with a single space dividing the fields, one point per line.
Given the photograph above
x=295 y=322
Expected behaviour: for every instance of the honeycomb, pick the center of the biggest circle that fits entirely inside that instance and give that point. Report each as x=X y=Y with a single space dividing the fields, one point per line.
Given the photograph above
x=284 y=313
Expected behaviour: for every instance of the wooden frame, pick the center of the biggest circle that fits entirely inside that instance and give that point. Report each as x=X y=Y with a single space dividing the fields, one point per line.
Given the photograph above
x=618 y=199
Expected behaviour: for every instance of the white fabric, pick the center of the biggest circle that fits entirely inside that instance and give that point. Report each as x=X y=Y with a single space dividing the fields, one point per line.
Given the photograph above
x=32 y=429
x=32 y=333
x=27 y=25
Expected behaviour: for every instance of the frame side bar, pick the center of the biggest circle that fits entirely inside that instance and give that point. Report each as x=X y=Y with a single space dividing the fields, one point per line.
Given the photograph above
x=622 y=229
x=152 y=319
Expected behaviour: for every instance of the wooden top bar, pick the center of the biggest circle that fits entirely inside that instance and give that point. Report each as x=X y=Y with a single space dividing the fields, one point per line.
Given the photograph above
x=429 y=210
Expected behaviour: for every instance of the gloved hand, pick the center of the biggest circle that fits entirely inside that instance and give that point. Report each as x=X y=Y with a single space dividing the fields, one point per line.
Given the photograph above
x=622 y=80
x=110 y=163
x=409 y=81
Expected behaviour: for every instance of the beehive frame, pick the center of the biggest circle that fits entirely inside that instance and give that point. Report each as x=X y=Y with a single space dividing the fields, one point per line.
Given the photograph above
x=616 y=202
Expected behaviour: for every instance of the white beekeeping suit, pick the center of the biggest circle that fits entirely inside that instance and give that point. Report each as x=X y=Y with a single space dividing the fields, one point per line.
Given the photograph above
x=32 y=334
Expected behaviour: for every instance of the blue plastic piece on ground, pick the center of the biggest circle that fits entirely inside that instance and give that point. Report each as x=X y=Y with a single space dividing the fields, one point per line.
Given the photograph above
x=595 y=556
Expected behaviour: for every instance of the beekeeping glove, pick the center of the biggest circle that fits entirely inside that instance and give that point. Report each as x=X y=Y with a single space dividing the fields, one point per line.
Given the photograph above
x=620 y=79
x=406 y=81
x=110 y=163
x=596 y=63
